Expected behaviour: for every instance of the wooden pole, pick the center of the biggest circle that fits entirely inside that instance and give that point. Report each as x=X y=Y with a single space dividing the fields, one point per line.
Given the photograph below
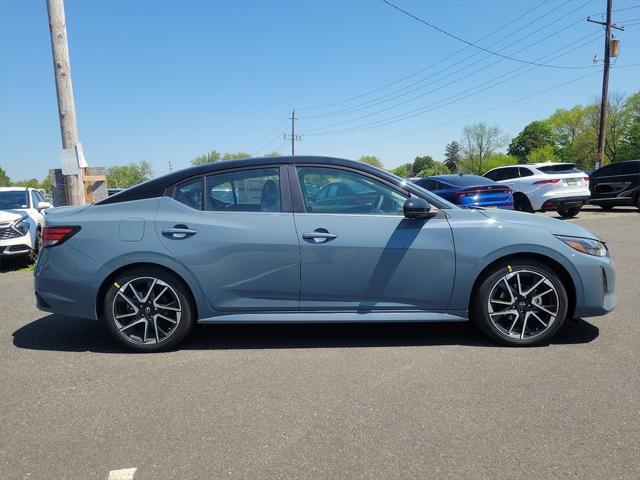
x=602 y=130
x=74 y=190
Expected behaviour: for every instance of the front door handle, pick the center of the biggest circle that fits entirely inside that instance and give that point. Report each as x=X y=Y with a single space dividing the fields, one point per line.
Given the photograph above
x=178 y=232
x=320 y=235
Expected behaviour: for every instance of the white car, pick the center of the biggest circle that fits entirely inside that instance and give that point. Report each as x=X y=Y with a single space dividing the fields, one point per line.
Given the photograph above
x=21 y=220
x=545 y=186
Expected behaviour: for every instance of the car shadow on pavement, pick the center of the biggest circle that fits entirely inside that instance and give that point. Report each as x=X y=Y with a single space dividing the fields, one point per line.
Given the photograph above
x=66 y=334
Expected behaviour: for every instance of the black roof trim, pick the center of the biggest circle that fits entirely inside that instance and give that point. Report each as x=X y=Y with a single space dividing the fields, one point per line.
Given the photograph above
x=157 y=186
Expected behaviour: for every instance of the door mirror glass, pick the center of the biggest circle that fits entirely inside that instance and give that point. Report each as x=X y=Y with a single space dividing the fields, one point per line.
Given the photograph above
x=43 y=205
x=416 y=207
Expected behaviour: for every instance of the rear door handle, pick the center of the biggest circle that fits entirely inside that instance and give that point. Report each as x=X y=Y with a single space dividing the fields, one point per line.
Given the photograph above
x=178 y=232
x=319 y=236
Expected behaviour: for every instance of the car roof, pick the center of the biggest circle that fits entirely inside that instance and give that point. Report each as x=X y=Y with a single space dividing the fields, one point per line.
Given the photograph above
x=15 y=189
x=156 y=187
x=546 y=164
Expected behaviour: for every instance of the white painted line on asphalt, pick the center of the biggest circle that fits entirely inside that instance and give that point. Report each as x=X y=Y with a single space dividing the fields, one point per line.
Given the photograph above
x=124 y=474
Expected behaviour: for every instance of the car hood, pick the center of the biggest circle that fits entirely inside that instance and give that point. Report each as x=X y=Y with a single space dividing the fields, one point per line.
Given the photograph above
x=557 y=227
x=11 y=215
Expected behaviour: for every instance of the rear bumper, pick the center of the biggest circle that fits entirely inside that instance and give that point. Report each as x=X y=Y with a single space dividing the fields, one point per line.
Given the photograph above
x=565 y=202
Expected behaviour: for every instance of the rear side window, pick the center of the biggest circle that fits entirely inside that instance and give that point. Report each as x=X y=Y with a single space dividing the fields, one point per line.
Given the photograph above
x=525 y=172
x=252 y=190
x=190 y=193
x=560 y=168
x=629 y=168
x=427 y=183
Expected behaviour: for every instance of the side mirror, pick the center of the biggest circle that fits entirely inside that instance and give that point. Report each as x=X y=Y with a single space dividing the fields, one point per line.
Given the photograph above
x=43 y=206
x=415 y=207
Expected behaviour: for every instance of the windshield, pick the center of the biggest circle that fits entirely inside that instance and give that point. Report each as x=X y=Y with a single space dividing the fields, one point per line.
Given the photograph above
x=561 y=168
x=13 y=200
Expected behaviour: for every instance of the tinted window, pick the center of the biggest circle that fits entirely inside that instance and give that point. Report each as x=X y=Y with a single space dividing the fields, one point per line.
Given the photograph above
x=467 y=180
x=560 y=168
x=34 y=199
x=503 y=174
x=427 y=183
x=347 y=192
x=13 y=199
x=252 y=190
x=630 y=167
x=525 y=172
x=190 y=193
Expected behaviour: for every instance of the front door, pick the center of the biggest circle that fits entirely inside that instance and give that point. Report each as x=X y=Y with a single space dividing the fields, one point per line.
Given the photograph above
x=358 y=252
x=230 y=230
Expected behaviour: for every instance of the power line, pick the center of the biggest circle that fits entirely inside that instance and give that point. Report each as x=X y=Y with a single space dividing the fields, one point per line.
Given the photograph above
x=391 y=96
x=417 y=72
x=507 y=57
x=423 y=109
x=254 y=146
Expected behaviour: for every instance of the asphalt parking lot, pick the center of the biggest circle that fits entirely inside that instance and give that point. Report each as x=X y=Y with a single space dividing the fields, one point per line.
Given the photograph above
x=326 y=401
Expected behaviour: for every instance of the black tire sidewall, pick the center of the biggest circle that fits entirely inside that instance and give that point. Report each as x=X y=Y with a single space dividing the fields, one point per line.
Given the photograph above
x=480 y=311
x=569 y=212
x=186 y=320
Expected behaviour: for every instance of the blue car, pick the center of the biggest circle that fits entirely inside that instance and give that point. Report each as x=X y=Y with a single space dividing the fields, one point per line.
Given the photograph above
x=255 y=241
x=468 y=190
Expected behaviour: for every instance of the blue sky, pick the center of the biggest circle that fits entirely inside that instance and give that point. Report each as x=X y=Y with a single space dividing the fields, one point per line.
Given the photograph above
x=165 y=81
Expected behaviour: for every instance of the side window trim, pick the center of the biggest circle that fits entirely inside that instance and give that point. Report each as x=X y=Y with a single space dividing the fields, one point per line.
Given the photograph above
x=296 y=189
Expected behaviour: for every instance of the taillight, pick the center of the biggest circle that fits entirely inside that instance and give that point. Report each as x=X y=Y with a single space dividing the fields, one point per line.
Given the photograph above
x=542 y=182
x=586 y=179
x=52 y=236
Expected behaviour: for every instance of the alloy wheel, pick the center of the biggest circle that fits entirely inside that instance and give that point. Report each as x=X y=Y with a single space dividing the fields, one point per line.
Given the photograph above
x=523 y=304
x=146 y=310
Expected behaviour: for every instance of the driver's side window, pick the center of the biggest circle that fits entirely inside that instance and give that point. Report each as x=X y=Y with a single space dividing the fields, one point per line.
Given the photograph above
x=337 y=191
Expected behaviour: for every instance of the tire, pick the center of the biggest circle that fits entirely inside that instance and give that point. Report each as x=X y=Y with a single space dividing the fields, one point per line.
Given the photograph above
x=33 y=255
x=508 y=329
x=569 y=212
x=521 y=203
x=636 y=201
x=141 y=299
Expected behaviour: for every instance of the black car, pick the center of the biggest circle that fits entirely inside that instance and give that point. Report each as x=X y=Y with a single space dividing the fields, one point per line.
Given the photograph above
x=617 y=184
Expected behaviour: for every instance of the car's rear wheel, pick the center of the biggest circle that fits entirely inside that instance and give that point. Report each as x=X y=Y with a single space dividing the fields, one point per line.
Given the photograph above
x=569 y=212
x=521 y=203
x=523 y=303
x=148 y=310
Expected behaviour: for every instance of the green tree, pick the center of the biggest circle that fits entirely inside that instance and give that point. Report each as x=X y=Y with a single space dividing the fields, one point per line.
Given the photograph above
x=422 y=163
x=30 y=183
x=535 y=135
x=235 y=156
x=630 y=147
x=273 y=154
x=46 y=185
x=125 y=176
x=480 y=141
x=452 y=156
x=403 y=170
x=542 y=154
x=5 y=181
x=436 y=168
x=499 y=160
x=371 y=160
x=212 y=156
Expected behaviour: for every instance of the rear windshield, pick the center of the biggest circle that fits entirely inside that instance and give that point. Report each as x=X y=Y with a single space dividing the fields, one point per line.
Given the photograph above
x=13 y=199
x=560 y=168
x=466 y=180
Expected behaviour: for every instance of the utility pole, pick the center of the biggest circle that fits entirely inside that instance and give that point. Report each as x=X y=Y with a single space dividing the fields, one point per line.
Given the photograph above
x=74 y=187
x=605 y=82
x=170 y=166
x=293 y=137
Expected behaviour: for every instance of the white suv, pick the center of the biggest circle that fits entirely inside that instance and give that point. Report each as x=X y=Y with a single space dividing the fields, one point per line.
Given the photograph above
x=545 y=186
x=21 y=220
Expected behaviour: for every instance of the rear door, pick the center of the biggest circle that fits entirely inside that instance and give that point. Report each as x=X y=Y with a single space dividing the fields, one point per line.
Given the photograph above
x=234 y=231
x=363 y=254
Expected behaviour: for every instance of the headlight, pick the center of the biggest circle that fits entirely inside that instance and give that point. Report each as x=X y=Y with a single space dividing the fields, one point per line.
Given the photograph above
x=21 y=227
x=589 y=246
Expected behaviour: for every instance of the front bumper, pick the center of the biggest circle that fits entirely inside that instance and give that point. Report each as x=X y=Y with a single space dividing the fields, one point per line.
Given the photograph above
x=17 y=245
x=598 y=287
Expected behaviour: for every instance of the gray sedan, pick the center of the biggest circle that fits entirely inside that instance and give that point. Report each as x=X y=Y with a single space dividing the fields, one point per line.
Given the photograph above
x=312 y=239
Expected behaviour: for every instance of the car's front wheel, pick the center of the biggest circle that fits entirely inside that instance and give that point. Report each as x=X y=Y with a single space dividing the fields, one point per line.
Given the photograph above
x=569 y=212
x=523 y=303
x=148 y=310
